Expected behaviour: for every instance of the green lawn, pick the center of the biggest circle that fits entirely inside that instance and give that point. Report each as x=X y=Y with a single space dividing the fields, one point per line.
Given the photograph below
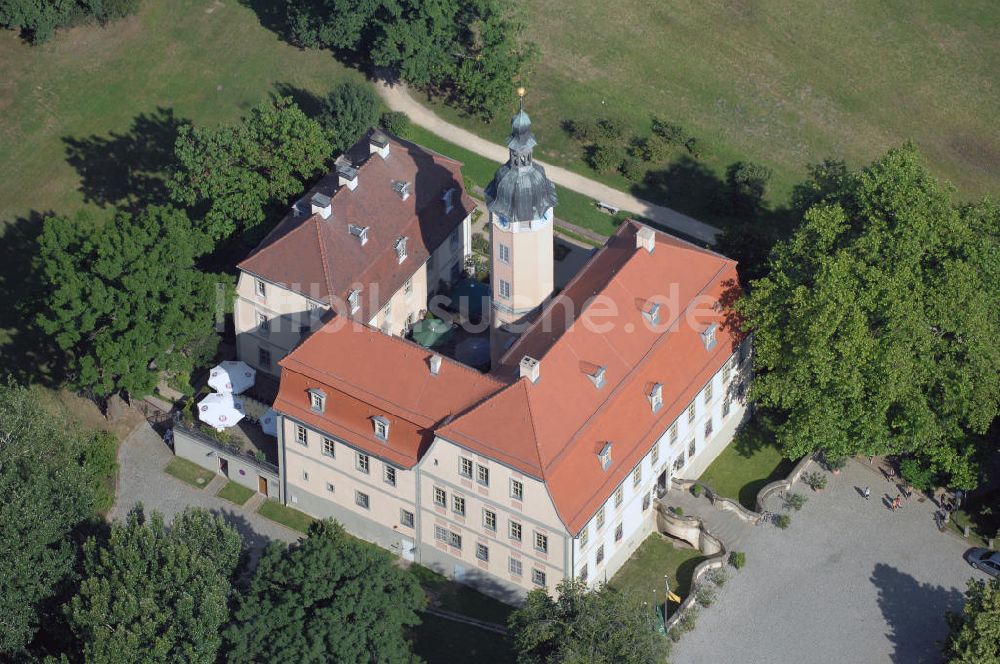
x=742 y=470
x=459 y=598
x=235 y=493
x=189 y=472
x=784 y=83
x=286 y=516
x=643 y=573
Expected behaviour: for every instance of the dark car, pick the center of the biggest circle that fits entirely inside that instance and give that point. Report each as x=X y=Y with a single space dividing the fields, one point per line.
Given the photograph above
x=986 y=560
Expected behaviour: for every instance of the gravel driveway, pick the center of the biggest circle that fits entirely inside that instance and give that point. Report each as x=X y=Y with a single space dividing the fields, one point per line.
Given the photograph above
x=849 y=581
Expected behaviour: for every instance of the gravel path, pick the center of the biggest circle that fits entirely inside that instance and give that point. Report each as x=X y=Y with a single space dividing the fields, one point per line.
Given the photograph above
x=141 y=478
x=398 y=98
x=849 y=581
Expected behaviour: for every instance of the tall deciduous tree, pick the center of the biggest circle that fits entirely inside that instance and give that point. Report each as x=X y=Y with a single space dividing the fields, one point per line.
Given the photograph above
x=156 y=595
x=875 y=331
x=975 y=633
x=48 y=494
x=598 y=626
x=330 y=598
x=351 y=109
x=124 y=300
x=231 y=177
x=38 y=19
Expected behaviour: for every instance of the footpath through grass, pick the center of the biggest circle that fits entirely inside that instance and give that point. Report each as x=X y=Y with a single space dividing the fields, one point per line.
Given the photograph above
x=643 y=573
x=191 y=473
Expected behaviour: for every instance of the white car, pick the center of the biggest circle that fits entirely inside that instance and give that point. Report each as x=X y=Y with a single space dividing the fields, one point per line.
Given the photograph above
x=986 y=560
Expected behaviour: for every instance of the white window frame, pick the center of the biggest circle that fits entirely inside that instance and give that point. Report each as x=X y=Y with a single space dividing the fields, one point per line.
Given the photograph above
x=538 y=577
x=406 y=518
x=489 y=520
x=504 y=289
x=389 y=475
x=440 y=497
x=260 y=288
x=517 y=490
x=515 y=531
x=363 y=463
x=458 y=504
x=301 y=435
x=465 y=467
x=482 y=474
x=541 y=542
x=329 y=447
x=381 y=426
x=503 y=252
x=362 y=500
x=515 y=566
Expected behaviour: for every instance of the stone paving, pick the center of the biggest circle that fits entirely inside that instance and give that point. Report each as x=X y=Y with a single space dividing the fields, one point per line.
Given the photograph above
x=849 y=582
x=141 y=478
x=725 y=525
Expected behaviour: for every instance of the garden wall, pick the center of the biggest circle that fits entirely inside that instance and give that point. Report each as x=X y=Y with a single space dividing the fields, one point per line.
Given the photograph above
x=260 y=476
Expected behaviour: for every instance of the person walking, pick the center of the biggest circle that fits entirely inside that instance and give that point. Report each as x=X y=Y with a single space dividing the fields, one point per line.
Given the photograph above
x=867 y=493
x=897 y=503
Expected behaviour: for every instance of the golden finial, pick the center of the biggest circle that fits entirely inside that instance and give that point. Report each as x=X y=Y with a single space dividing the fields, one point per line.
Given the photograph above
x=521 y=91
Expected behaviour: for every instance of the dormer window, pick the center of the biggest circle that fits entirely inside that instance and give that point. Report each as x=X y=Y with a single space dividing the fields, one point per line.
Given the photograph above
x=401 y=188
x=604 y=456
x=317 y=400
x=708 y=336
x=401 y=249
x=447 y=196
x=656 y=397
x=597 y=377
x=360 y=232
x=354 y=300
x=381 y=427
x=652 y=313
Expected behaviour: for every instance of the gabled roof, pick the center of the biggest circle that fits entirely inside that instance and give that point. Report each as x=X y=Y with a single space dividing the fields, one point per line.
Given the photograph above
x=366 y=373
x=321 y=259
x=554 y=428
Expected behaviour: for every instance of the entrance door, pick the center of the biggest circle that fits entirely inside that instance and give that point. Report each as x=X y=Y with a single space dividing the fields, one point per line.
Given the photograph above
x=262 y=484
x=224 y=467
x=407 y=549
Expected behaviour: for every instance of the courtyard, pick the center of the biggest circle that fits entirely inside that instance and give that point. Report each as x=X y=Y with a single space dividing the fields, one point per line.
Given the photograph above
x=848 y=581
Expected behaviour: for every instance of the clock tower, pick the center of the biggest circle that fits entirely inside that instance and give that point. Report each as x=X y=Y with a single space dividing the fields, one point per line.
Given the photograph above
x=520 y=200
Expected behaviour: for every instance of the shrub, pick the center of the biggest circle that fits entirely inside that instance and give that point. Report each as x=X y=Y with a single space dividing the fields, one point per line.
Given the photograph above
x=652 y=149
x=480 y=244
x=610 y=129
x=783 y=521
x=794 y=501
x=695 y=147
x=585 y=131
x=917 y=475
x=101 y=461
x=606 y=157
x=705 y=595
x=396 y=122
x=747 y=182
x=673 y=134
x=679 y=511
x=835 y=463
x=718 y=577
x=815 y=480
x=738 y=559
x=695 y=490
x=632 y=169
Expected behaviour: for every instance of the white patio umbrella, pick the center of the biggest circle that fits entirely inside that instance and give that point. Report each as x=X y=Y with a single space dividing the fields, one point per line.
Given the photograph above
x=232 y=376
x=220 y=410
x=269 y=422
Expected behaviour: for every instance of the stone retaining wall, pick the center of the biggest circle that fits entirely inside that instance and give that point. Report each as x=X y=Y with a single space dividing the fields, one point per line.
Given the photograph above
x=721 y=502
x=783 y=485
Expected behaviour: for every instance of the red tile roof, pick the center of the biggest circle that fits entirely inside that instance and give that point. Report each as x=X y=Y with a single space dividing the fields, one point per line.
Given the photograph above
x=554 y=428
x=366 y=373
x=321 y=259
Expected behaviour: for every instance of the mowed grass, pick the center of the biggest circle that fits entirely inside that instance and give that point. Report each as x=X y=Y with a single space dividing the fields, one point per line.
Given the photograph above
x=741 y=471
x=286 y=516
x=235 y=493
x=643 y=572
x=189 y=472
x=784 y=83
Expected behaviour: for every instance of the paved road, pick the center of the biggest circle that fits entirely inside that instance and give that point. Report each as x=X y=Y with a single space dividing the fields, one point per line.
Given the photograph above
x=398 y=98
x=142 y=458
x=849 y=581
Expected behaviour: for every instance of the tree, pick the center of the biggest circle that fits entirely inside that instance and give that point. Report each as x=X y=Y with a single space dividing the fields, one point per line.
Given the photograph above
x=747 y=182
x=153 y=594
x=875 y=329
x=606 y=156
x=600 y=626
x=975 y=633
x=396 y=123
x=351 y=109
x=38 y=19
x=48 y=500
x=329 y=598
x=232 y=176
x=124 y=300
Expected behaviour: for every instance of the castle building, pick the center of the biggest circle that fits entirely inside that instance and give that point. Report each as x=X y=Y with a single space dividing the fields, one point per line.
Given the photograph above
x=548 y=466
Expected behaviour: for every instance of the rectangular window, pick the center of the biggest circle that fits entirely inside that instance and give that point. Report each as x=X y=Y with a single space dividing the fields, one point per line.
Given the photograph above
x=707 y=393
x=330 y=487
x=354 y=300
x=263 y=322
x=708 y=428
x=516 y=490
x=504 y=253
x=515 y=531
x=599 y=556
x=618 y=533
x=619 y=496
x=261 y=288
x=584 y=536
x=389 y=475
x=583 y=573
x=538 y=577
x=679 y=462
x=458 y=505
x=465 y=467
x=363 y=463
x=483 y=552
x=440 y=534
x=489 y=520
x=264 y=358
x=726 y=407
x=483 y=475
x=691 y=449
x=541 y=542
x=361 y=499
x=505 y=289
x=600 y=518
x=636 y=477
x=691 y=413
x=673 y=433
x=329 y=448
x=381 y=428
x=300 y=435
x=317 y=401
x=654 y=453
x=406 y=518
x=514 y=566
x=440 y=497
x=455 y=539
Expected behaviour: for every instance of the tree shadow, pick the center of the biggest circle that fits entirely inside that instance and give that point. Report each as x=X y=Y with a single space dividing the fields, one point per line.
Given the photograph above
x=914 y=614
x=27 y=355
x=311 y=104
x=126 y=170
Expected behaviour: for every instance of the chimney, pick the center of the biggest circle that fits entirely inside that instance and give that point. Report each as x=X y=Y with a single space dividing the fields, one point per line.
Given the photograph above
x=401 y=188
x=645 y=238
x=378 y=143
x=321 y=205
x=435 y=362
x=530 y=367
x=347 y=173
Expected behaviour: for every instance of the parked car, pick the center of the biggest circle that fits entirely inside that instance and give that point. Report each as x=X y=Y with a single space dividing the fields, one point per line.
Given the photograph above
x=986 y=560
